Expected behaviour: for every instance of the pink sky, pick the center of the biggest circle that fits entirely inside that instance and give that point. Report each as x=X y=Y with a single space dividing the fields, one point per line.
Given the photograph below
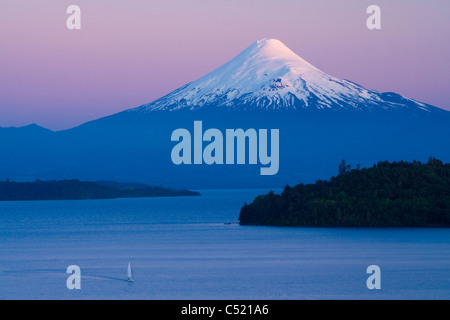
x=132 y=52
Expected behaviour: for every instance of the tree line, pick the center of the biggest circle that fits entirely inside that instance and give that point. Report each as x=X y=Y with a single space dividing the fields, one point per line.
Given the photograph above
x=389 y=194
x=81 y=190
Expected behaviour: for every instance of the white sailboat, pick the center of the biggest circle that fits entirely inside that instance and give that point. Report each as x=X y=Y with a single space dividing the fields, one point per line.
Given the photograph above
x=130 y=273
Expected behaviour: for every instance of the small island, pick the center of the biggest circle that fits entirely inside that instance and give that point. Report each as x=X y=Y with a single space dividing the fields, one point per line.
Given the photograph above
x=83 y=190
x=397 y=194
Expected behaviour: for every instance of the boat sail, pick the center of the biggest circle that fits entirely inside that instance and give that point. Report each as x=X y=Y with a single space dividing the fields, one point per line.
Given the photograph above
x=130 y=273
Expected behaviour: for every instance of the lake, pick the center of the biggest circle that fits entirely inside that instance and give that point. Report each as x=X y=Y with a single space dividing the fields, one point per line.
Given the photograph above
x=184 y=248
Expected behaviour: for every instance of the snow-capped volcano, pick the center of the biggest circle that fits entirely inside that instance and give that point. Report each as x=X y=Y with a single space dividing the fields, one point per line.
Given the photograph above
x=136 y=145
x=268 y=75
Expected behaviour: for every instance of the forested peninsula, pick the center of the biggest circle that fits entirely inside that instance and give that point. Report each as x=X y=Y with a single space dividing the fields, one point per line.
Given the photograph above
x=82 y=190
x=389 y=194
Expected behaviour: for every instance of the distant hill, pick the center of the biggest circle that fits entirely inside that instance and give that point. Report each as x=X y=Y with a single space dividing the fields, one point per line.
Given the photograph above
x=398 y=194
x=82 y=190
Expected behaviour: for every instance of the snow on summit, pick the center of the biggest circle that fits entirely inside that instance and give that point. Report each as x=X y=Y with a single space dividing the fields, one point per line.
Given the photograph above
x=268 y=75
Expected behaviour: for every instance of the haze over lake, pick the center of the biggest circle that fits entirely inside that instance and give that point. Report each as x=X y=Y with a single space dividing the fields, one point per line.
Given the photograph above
x=181 y=248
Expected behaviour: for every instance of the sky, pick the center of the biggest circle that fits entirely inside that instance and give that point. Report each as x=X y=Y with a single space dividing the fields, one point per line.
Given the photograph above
x=131 y=52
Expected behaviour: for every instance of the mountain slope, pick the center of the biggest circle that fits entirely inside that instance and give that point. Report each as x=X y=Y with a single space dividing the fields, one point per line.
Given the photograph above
x=268 y=75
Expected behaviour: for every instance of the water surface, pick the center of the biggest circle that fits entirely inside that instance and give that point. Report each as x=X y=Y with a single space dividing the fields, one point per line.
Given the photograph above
x=181 y=248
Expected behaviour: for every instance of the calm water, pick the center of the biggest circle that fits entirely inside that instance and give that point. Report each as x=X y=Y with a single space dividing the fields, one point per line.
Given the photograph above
x=180 y=248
